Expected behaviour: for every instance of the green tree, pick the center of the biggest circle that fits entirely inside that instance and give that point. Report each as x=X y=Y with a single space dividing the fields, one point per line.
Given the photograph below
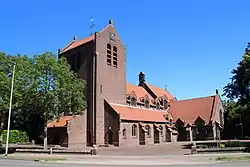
x=44 y=87
x=238 y=90
x=23 y=84
x=58 y=89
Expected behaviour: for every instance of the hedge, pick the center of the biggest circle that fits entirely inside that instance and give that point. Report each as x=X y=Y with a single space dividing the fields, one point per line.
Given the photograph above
x=15 y=136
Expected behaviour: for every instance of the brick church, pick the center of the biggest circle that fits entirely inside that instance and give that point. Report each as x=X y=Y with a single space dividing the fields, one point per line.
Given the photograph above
x=124 y=114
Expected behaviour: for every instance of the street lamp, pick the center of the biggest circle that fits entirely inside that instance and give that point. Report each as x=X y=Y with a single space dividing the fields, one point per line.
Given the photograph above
x=11 y=93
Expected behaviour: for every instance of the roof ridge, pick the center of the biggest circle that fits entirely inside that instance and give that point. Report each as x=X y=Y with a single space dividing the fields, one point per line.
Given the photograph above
x=196 y=98
x=148 y=109
x=68 y=45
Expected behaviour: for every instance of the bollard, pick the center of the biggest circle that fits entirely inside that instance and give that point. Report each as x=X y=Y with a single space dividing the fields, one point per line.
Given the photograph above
x=50 y=151
x=193 y=149
x=94 y=150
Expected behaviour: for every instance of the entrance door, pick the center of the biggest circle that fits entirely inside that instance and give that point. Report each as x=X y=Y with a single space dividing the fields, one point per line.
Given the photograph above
x=141 y=136
x=156 y=135
x=110 y=137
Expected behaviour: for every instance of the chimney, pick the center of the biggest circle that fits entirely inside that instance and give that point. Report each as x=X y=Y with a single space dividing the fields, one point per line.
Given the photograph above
x=141 y=79
x=216 y=91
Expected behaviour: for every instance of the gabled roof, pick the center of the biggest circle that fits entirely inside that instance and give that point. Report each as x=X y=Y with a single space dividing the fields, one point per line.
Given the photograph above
x=138 y=114
x=73 y=44
x=61 y=122
x=159 y=92
x=191 y=109
x=138 y=90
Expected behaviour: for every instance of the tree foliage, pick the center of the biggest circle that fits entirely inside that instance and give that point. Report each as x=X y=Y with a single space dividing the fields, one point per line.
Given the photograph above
x=238 y=92
x=44 y=87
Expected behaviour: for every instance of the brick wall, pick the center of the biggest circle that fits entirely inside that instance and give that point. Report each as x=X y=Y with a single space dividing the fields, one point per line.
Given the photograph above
x=110 y=81
x=77 y=127
x=129 y=140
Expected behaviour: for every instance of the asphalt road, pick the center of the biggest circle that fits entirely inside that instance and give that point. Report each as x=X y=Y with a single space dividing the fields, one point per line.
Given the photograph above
x=17 y=163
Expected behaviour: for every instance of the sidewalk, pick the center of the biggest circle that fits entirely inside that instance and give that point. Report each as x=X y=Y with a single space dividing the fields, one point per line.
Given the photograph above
x=125 y=160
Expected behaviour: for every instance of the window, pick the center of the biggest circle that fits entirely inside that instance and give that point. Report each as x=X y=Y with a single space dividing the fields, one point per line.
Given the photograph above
x=171 y=122
x=161 y=130
x=148 y=130
x=165 y=104
x=134 y=130
x=114 y=56
x=133 y=101
x=147 y=105
x=108 y=54
x=124 y=133
x=158 y=106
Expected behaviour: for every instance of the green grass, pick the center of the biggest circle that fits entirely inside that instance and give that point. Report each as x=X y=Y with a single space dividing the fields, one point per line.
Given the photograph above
x=230 y=158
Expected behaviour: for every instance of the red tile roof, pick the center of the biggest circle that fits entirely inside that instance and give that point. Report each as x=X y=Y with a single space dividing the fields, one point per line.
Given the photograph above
x=160 y=92
x=139 y=91
x=138 y=114
x=75 y=44
x=189 y=110
x=61 y=122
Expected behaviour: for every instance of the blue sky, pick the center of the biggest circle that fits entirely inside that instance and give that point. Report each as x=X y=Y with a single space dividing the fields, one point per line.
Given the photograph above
x=189 y=46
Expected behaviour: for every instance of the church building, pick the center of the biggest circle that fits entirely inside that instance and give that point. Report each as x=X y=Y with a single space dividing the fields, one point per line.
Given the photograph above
x=125 y=114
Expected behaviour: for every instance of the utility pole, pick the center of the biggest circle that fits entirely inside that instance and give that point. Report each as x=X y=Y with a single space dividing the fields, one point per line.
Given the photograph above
x=11 y=94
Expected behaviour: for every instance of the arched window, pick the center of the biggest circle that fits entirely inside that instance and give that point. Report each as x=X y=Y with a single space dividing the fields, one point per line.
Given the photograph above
x=148 y=130
x=158 y=106
x=124 y=133
x=165 y=104
x=134 y=130
x=108 y=54
x=114 y=56
x=147 y=105
x=133 y=101
x=161 y=130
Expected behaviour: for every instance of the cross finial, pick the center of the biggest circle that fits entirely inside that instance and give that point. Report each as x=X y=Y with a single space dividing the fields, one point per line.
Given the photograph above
x=92 y=24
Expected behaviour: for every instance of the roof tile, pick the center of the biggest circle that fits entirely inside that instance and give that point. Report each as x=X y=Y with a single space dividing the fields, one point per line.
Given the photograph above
x=138 y=114
x=61 y=122
x=189 y=110
x=159 y=91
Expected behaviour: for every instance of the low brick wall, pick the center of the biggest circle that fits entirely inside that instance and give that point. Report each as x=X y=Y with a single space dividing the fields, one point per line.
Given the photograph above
x=212 y=150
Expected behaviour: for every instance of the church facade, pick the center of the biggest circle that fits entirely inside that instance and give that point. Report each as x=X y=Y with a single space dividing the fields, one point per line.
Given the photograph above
x=124 y=114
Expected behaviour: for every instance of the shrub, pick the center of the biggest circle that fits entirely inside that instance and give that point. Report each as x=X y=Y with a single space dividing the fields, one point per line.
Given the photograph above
x=202 y=146
x=15 y=136
x=234 y=144
x=222 y=146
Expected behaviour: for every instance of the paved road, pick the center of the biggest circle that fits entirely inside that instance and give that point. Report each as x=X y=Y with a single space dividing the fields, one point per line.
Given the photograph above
x=17 y=163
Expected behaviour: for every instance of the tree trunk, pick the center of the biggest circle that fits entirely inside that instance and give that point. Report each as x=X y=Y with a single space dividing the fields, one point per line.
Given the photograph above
x=45 y=139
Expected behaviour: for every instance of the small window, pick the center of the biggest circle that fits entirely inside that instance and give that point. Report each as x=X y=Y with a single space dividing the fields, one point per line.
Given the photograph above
x=134 y=130
x=109 y=54
x=158 y=106
x=165 y=104
x=133 y=101
x=147 y=105
x=161 y=130
x=114 y=56
x=148 y=131
x=124 y=133
x=170 y=122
